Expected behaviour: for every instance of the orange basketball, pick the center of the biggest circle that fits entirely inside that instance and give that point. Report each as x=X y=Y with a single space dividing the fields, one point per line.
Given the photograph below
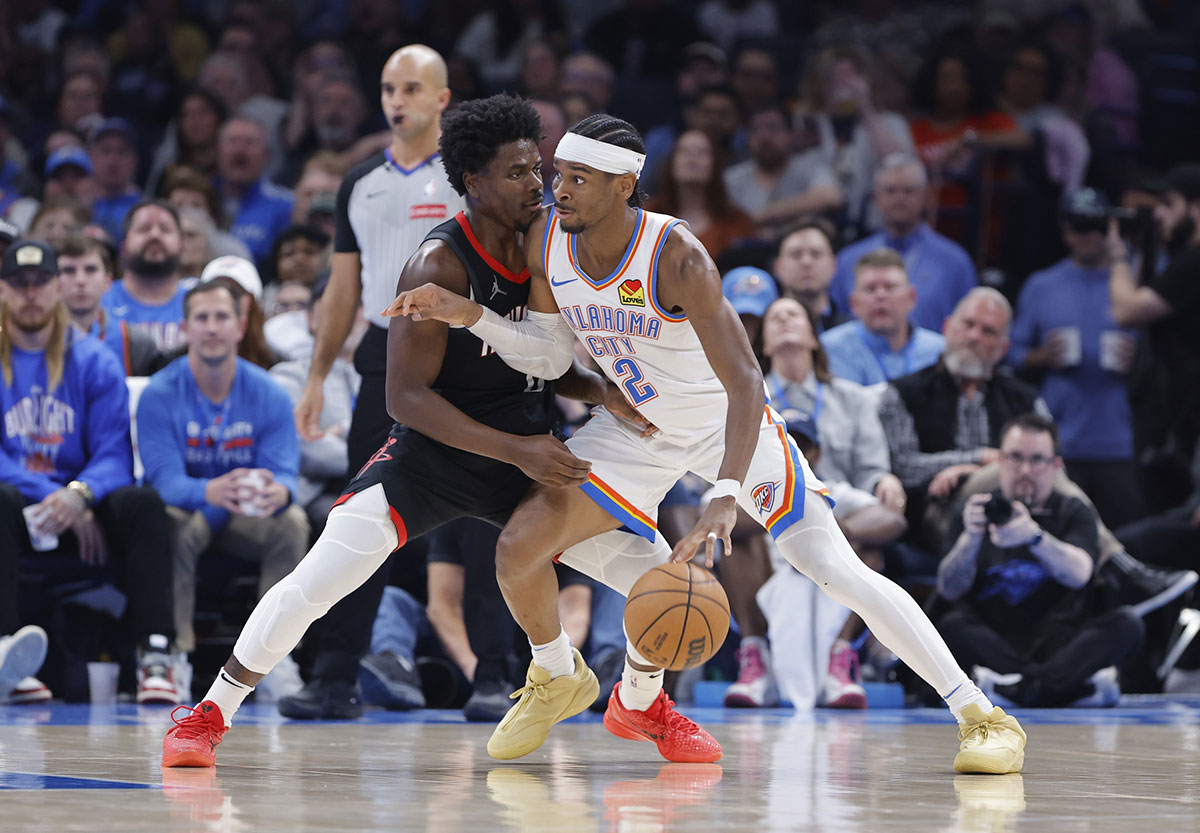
x=677 y=615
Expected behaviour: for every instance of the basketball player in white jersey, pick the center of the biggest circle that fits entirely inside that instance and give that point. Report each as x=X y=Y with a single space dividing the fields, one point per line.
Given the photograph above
x=642 y=295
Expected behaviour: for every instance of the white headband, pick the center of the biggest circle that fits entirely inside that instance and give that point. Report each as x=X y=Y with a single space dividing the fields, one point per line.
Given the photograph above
x=600 y=155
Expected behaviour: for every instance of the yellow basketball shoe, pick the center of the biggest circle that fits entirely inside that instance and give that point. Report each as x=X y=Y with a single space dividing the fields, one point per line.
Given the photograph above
x=540 y=704
x=992 y=744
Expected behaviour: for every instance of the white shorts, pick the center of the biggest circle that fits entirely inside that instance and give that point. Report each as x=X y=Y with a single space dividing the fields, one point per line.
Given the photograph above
x=630 y=475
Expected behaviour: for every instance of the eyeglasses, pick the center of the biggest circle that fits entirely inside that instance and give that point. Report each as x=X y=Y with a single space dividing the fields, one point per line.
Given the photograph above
x=1036 y=461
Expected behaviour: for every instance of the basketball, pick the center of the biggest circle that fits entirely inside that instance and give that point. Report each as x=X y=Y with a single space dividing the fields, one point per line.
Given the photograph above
x=677 y=615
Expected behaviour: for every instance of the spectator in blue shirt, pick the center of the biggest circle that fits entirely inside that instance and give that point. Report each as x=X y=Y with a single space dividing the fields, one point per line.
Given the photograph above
x=85 y=270
x=217 y=440
x=112 y=146
x=148 y=297
x=883 y=342
x=259 y=208
x=66 y=463
x=938 y=268
x=1064 y=328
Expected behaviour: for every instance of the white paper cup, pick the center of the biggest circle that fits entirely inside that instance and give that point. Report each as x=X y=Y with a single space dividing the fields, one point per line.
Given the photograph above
x=41 y=543
x=102 y=681
x=250 y=488
x=1113 y=352
x=1072 y=341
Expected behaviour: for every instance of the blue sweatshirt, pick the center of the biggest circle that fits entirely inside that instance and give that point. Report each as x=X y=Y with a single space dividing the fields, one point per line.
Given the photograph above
x=79 y=431
x=163 y=322
x=186 y=440
x=1090 y=404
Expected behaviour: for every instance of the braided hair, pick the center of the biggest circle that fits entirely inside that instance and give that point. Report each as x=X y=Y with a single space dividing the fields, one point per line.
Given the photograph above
x=605 y=128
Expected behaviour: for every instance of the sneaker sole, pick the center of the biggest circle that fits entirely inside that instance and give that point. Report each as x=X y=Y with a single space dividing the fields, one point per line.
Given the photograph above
x=188 y=758
x=1181 y=586
x=584 y=697
x=972 y=764
x=42 y=695
x=745 y=701
x=853 y=700
x=26 y=653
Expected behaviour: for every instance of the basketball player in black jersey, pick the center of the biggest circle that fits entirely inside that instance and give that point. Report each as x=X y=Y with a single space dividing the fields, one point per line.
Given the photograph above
x=473 y=433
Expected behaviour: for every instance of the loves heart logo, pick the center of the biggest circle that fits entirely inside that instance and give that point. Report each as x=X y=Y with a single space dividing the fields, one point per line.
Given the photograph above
x=632 y=294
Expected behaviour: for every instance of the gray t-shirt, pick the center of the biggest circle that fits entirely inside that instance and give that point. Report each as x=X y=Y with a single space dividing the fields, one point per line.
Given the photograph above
x=805 y=171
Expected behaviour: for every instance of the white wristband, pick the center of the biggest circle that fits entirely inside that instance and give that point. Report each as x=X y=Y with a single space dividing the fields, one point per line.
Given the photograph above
x=725 y=488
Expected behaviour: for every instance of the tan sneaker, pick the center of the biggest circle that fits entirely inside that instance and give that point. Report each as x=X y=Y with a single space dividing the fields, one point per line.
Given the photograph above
x=991 y=744
x=540 y=704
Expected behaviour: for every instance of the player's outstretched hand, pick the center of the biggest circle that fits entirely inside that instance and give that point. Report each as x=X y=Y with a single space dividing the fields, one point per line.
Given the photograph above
x=547 y=460
x=430 y=302
x=718 y=519
x=618 y=405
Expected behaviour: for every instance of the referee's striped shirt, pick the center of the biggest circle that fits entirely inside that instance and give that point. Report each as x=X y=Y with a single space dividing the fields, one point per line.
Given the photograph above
x=384 y=212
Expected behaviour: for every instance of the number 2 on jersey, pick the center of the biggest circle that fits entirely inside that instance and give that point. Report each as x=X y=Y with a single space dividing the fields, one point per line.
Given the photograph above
x=631 y=377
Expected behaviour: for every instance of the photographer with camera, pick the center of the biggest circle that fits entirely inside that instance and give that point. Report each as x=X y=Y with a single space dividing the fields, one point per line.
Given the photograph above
x=1027 y=615
x=1064 y=337
x=1164 y=388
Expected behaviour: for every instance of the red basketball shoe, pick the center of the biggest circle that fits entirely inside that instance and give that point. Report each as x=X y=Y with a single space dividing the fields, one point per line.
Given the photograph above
x=678 y=738
x=193 y=741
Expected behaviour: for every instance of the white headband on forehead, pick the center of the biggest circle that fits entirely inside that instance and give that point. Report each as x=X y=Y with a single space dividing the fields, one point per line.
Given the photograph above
x=600 y=155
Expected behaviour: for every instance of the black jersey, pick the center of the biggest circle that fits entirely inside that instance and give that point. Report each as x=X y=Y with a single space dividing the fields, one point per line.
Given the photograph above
x=473 y=378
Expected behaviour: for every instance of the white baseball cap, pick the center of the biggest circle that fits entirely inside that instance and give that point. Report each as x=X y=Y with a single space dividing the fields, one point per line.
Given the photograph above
x=238 y=269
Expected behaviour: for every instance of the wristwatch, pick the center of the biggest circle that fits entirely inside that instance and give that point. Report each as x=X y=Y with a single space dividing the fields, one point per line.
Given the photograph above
x=83 y=490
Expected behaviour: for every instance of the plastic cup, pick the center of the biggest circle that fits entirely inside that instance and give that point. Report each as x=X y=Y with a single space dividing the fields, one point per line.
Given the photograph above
x=41 y=543
x=102 y=682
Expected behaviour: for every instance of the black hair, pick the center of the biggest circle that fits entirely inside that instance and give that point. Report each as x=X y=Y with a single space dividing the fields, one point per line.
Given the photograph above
x=924 y=88
x=815 y=222
x=614 y=131
x=474 y=130
x=1033 y=421
x=299 y=231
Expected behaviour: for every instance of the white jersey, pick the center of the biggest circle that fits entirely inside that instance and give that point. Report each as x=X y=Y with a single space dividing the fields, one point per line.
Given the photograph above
x=652 y=354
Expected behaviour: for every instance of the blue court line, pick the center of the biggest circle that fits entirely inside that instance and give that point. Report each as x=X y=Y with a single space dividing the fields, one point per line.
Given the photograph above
x=38 y=781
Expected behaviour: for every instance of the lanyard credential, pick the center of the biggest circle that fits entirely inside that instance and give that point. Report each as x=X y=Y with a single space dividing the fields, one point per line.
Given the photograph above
x=779 y=397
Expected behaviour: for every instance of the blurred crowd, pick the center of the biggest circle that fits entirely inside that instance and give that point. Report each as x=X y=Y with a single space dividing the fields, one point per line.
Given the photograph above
x=964 y=239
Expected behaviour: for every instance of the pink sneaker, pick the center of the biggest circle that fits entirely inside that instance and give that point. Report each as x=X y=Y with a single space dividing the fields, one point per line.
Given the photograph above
x=843 y=683
x=755 y=687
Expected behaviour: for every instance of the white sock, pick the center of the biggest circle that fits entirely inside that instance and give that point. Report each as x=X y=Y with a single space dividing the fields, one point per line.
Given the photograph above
x=639 y=689
x=963 y=695
x=555 y=656
x=228 y=694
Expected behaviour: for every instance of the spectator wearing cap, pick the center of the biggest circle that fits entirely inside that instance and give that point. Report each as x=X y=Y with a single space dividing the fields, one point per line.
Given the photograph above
x=1165 y=387
x=691 y=187
x=112 y=146
x=805 y=260
x=242 y=279
x=323 y=461
x=259 y=208
x=1065 y=336
x=67 y=462
x=938 y=268
x=85 y=271
x=883 y=342
x=299 y=254
x=751 y=290
x=217 y=440
x=69 y=173
x=149 y=296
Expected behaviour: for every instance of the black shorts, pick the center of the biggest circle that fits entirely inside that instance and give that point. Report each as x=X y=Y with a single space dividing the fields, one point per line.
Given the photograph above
x=428 y=484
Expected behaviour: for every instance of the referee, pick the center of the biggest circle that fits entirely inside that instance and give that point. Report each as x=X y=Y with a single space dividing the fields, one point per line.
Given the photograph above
x=385 y=207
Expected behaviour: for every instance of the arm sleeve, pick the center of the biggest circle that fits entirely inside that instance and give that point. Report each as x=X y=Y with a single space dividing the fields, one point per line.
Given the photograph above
x=914 y=467
x=162 y=452
x=277 y=443
x=344 y=240
x=109 y=448
x=542 y=345
x=32 y=486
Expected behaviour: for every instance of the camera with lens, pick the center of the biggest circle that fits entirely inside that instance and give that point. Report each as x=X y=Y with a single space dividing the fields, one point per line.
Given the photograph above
x=998 y=510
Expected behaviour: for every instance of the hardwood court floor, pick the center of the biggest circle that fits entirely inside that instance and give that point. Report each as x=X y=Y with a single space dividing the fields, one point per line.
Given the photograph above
x=67 y=768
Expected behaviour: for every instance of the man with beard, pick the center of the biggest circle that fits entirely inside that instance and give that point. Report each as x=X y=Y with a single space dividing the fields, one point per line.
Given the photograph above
x=148 y=297
x=943 y=422
x=336 y=113
x=1165 y=380
x=1027 y=616
x=66 y=462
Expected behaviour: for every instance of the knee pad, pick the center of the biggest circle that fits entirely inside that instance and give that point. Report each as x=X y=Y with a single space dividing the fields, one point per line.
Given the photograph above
x=279 y=620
